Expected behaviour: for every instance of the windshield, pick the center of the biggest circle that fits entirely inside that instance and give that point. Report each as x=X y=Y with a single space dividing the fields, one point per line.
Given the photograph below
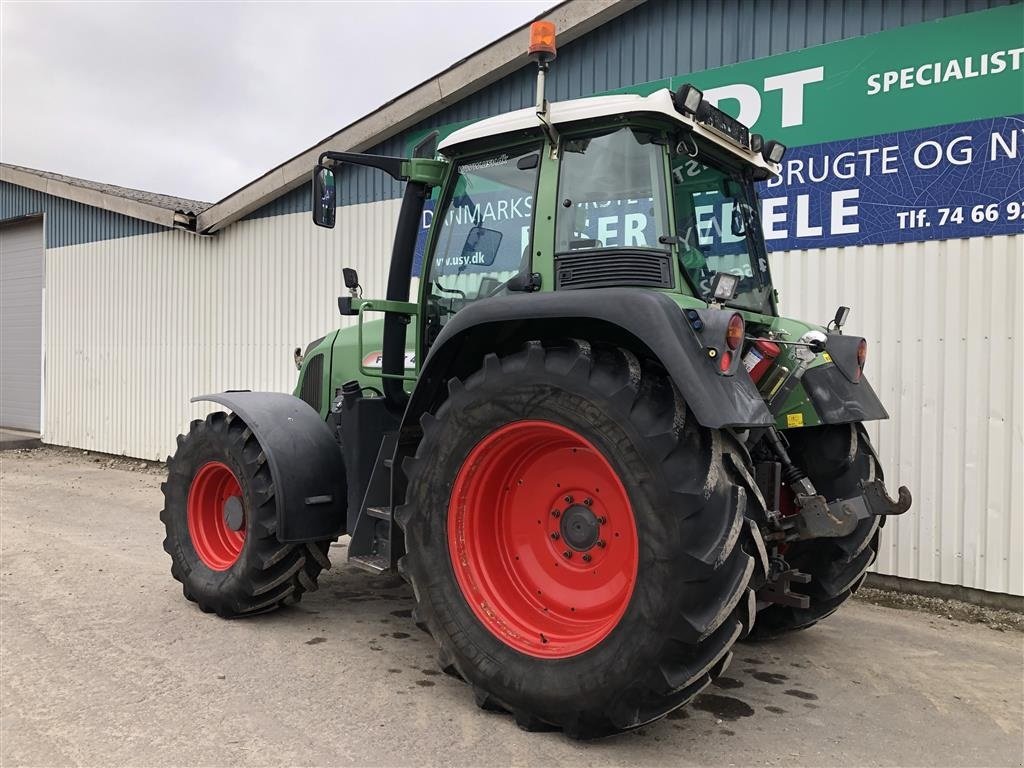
x=719 y=228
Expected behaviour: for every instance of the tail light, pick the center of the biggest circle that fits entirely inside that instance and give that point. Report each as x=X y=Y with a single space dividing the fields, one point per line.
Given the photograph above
x=862 y=356
x=725 y=361
x=734 y=332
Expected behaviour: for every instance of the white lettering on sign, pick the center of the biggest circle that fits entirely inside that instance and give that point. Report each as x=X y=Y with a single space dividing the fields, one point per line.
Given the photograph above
x=841 y=216
x=635 y=223
x=844 y=165
x=747 y=95
x=938 y=72
x=791 y=86
x=1009 y=148
x=929 y=154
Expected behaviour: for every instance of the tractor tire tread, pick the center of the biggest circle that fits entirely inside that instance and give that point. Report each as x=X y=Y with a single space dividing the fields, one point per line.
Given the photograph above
x=722 y=556
x=268 y=574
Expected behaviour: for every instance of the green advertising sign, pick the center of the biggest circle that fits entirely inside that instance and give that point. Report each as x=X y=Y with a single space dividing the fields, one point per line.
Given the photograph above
x=952 y=70
x=911 y=134
x=948 y=71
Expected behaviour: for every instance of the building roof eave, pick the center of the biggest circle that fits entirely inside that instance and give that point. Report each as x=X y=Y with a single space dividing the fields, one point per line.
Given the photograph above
x=106 y=201
x=573 y=19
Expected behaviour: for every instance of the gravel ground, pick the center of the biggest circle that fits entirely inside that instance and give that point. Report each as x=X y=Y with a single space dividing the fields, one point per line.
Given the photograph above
x=1000 y=620
x=102 y=662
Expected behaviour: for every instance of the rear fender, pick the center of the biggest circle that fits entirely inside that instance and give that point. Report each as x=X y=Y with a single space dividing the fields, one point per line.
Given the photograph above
x=304 y=459
x=636 y=318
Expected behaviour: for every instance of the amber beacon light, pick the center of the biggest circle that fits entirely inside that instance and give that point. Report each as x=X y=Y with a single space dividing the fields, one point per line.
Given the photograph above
x=542 y=41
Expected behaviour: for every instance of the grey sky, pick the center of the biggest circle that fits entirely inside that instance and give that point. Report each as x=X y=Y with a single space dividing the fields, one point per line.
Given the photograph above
x=197 y=99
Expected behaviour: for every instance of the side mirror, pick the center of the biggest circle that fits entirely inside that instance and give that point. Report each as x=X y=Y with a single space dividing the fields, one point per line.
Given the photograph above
x=325 y=201
x=480 y=248
x=842 y=315
x=351 y=278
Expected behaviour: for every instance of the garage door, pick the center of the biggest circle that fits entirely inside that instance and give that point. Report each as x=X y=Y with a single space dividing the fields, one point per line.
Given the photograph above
x=21 y=324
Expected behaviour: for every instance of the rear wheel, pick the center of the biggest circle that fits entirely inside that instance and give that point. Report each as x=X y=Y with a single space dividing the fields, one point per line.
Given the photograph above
x=836 y=458
x=220 y=518
x=576 y=542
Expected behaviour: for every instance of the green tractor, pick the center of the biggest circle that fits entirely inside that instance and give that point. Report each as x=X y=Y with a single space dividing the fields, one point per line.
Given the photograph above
x=592 y=445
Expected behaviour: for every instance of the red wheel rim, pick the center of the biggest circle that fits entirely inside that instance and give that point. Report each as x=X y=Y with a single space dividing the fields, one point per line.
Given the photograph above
x=528 y=494
x=217 y=545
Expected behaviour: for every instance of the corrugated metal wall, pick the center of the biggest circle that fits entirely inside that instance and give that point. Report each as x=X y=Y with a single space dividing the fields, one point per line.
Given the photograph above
x=136 y=326
x=943 y=321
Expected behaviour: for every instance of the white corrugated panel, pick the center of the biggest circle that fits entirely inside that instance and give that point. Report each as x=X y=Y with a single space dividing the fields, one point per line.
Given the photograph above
x=136 y=326
x=21 y=324
x=943 y=320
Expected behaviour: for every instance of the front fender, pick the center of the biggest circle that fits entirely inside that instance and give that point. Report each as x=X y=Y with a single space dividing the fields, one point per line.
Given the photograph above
x=304 y=459
x=621 y=315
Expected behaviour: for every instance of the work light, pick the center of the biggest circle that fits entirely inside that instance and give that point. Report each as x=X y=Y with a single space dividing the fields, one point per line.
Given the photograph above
x=773 y=151
x=688 y=98
x=723 y=286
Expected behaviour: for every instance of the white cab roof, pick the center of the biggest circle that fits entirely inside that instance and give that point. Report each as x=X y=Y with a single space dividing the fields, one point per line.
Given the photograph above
x=560 y=112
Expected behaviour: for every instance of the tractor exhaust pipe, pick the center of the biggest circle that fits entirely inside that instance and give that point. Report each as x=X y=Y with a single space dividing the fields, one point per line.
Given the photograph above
x=399 y=280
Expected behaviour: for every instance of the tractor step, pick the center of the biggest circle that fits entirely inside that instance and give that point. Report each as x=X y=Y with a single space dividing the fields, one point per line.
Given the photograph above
x=381 y=513
x=371 y=563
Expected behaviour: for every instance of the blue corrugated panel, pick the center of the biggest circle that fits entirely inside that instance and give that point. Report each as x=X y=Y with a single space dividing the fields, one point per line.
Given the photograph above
x=68 y=222
x=659 y=39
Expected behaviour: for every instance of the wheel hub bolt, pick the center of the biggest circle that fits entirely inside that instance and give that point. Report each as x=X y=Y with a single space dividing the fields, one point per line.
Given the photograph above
x=601 y=520
x=588 y=501
x=555 y=513
x=586 y=557
x=567 y=554
x=554 y=535
x=600 y=543
x=568 y=499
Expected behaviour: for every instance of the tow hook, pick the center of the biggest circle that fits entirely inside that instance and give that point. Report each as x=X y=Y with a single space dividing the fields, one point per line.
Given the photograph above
x=878 y=501
x=819 y=519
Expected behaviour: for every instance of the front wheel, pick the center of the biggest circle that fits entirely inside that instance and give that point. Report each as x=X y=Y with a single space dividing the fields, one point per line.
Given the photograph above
x=576 y=542
x=220 y=518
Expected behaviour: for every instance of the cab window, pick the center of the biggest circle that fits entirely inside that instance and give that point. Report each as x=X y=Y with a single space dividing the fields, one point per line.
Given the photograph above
x=484 y=231
x=612 y=192
x=719 y=229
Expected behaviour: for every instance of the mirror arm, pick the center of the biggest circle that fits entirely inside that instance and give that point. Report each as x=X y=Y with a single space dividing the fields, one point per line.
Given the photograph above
x=390 y=165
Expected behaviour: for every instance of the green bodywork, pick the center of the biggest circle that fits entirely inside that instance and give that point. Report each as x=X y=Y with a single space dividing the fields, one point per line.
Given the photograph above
x=346 y=350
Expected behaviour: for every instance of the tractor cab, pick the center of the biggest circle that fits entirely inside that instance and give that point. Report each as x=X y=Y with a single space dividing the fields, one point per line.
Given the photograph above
x=644 y=193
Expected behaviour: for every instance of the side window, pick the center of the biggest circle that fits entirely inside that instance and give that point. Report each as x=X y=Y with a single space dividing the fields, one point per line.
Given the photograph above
x=484 y=230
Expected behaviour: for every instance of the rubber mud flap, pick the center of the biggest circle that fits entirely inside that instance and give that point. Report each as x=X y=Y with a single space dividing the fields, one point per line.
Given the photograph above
x=837 y=400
